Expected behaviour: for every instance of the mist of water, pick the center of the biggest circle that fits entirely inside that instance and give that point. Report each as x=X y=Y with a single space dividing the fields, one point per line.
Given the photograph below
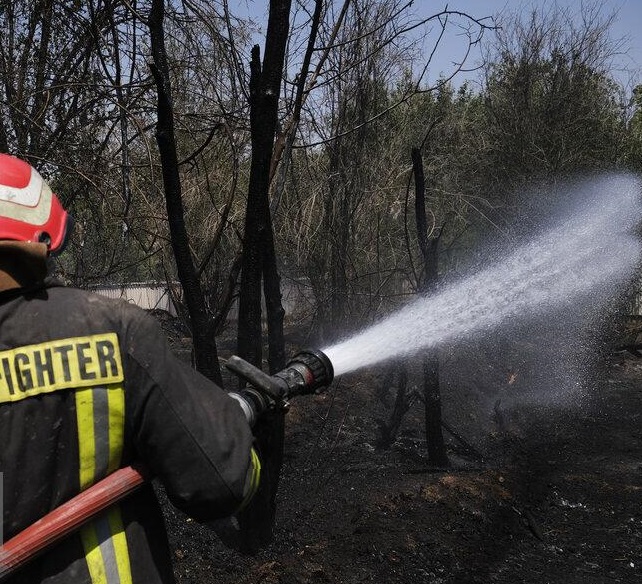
x=586 y=255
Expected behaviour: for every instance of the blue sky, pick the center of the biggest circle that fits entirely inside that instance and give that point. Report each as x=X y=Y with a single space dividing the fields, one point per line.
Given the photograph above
x=627 y=26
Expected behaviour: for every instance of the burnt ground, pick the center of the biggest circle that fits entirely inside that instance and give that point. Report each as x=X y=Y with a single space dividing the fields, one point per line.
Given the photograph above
x=556 y=497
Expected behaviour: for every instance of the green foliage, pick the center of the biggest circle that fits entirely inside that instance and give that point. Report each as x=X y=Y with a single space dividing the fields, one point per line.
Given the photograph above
x=552 y=106
x=634 y=132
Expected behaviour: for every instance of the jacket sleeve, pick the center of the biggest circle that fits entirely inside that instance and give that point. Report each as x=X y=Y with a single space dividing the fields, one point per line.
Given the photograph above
x=186 y=429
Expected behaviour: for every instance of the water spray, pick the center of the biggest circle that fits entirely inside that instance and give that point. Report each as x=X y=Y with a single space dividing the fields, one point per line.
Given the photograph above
x=584 y=255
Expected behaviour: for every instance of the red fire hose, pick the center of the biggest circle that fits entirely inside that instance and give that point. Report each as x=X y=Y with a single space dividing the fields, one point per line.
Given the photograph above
x=67 y=518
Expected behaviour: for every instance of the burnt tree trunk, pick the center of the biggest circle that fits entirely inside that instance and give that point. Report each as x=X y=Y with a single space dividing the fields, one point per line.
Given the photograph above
x=259 y=266
x=388 y=430
x=204 y=341
x=429 y=247
x=257 y=222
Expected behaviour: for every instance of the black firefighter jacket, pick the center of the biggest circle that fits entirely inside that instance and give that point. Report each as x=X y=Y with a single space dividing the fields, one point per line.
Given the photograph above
x=88 y=385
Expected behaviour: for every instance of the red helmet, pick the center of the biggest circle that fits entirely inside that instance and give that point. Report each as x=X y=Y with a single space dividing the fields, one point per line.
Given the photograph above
x=29 y=210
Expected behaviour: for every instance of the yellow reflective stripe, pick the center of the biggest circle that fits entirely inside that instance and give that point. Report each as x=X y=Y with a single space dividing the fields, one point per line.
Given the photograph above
x=92 y=466
x=116 y=401
x=256 y=471
x=86 y=438
x=254 y=478
x=100 y=417
x=106 y=552
x=120 y=546
x=93 y=556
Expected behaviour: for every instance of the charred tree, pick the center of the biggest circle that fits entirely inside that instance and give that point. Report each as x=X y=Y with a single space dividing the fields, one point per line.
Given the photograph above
x=429 y=248
x=258 y=266
x=388 y=430
x=204 y=341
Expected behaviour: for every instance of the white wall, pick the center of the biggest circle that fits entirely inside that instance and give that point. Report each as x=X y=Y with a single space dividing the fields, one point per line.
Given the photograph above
x=147 y=296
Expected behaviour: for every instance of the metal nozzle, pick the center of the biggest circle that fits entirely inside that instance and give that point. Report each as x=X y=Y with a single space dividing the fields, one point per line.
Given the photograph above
x=305 y=373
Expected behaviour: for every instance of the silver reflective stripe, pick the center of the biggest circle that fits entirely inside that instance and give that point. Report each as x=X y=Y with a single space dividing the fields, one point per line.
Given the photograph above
x=101 y=432
x=106 y=544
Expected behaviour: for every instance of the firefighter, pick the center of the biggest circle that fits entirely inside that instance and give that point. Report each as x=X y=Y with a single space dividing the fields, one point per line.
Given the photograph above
x=89 y=385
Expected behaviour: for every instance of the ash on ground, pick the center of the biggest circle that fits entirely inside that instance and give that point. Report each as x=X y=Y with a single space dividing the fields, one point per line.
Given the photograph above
x=548 y=495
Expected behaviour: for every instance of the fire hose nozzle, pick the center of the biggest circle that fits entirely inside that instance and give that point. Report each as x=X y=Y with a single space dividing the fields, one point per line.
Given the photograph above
x=306 y=373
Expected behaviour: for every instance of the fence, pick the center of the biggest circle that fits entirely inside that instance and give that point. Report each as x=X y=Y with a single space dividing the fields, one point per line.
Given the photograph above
x=147 y=295
x=297 y=297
